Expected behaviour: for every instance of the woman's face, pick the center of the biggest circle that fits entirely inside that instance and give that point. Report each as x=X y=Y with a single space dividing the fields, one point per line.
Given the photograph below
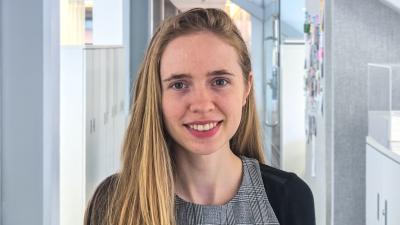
x=203 y=92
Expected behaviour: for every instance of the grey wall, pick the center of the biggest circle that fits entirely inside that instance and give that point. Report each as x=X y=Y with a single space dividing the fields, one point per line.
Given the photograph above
x=28 y=34
x=1 y=114
x=22 y=112
x=139 y=33
x=329 y=97
x=358 y=32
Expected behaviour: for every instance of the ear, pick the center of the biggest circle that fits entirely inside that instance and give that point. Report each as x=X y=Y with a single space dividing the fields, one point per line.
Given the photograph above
x=247 y=88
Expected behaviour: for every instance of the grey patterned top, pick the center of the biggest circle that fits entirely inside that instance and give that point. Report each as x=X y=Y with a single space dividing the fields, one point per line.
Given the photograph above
x=250 y=205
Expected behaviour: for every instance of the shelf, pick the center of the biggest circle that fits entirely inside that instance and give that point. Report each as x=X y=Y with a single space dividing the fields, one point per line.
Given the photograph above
x=383 y=150
x=394 y=4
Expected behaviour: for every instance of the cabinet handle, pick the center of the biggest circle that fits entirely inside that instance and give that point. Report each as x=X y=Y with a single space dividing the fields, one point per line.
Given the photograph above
x=94 y=125
x=91 y=126
x=385 y=212
x=377 y=206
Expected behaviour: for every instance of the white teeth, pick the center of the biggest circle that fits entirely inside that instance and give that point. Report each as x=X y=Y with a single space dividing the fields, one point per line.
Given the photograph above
x=200 y=127
x=203 y=127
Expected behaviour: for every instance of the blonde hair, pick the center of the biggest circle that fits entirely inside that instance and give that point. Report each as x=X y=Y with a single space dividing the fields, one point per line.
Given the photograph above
x=142 y=193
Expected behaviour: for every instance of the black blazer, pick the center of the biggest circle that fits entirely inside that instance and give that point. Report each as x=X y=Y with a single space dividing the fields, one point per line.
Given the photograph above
x=290 y=197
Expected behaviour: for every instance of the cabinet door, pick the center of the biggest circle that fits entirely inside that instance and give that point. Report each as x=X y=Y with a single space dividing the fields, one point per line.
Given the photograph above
x=391 y=190
x=89 y=152
x=98 y=153
x=374 y=197
x=119 y=127
x=102 y=110
x=109 y=105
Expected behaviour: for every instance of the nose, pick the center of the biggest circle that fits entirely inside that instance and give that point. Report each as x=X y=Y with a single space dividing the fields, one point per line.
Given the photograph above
x=201 y=101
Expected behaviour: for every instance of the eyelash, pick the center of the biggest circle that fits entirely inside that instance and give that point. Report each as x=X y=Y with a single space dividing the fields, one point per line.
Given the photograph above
x=178 y=82
x=185 y=85
x=221 y=79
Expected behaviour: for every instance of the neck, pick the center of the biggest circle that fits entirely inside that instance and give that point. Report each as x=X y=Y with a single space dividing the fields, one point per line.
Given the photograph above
x=207 y=179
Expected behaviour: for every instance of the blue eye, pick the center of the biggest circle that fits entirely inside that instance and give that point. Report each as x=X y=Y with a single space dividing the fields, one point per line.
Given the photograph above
x=220 y=82
x=179 y=85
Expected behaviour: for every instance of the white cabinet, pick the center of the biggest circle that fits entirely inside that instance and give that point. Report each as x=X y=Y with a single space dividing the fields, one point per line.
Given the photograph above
x=394 y=4
x=92 y=123
x=382 y=185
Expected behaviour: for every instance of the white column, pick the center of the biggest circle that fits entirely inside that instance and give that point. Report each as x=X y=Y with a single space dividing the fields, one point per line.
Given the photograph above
x=1 y=111
x=51 y=112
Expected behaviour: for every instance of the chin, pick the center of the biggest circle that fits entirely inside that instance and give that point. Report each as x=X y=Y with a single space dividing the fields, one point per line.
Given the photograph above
x=204 y=150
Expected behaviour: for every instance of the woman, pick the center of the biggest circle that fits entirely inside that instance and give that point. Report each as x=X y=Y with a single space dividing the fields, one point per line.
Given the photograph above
x=192 y=151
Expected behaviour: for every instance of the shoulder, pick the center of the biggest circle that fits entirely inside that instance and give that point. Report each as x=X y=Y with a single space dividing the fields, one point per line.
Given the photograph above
x=98 y=204
x=290 y=197
x=276 y=178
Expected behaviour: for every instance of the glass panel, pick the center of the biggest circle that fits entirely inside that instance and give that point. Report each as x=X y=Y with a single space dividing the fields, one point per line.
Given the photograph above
x=272 y=79
x=72 y=19
x=242 y=20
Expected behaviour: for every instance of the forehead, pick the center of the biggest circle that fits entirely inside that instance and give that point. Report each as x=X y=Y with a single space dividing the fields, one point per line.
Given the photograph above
x=198 y=52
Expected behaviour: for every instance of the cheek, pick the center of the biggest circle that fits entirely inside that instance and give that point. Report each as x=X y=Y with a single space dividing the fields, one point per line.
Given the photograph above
x=170 y=108
x=232 y=107
x=165 y=108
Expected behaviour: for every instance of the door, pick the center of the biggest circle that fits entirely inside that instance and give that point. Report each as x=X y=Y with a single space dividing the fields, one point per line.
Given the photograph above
x=111 y=108
x=89 y=150
x=120 y=126
x=391 y=195
x=374 y=195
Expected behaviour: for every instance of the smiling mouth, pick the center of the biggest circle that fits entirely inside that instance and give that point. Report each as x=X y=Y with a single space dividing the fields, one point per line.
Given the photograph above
x=204 y=127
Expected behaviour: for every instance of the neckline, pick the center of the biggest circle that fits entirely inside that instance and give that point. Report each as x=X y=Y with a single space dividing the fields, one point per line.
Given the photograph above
x=244 y=159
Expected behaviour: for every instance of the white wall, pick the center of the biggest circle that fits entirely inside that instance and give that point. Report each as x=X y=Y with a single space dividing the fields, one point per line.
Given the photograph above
x=29 y=100
x=108 y=22
x=51 y=114
x=293 y=141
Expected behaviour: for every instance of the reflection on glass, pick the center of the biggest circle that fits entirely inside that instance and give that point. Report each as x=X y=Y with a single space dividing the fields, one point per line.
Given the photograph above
x=72 y=22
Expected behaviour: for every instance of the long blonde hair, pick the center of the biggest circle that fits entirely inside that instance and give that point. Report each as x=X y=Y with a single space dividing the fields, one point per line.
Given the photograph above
x=142 y=193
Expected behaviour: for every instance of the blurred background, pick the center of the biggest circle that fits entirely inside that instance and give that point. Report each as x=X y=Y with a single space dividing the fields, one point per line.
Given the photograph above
x=327 y=84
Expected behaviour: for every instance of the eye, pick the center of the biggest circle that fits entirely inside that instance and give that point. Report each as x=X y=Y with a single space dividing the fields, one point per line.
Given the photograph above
x=220 y=82
x=178 y=85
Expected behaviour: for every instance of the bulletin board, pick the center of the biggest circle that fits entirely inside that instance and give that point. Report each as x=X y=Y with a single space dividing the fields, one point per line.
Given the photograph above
x=314 y=76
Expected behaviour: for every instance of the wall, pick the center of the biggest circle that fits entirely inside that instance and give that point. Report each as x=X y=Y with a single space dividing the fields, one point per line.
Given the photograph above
x=327 y=147
x=139 y=33
x=51 y=111
x=376 y=39
x=28 y=95
x=1 y=114
x=107 y=22
x=316 y=171
x=22 y=112
x=357 y=32
x=292 y=108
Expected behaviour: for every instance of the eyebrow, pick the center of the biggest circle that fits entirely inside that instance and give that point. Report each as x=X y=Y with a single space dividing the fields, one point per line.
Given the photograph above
x=188 y=76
